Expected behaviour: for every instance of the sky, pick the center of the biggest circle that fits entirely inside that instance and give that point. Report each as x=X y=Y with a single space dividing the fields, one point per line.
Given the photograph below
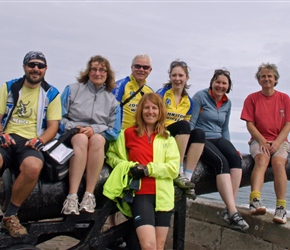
x=207 y=35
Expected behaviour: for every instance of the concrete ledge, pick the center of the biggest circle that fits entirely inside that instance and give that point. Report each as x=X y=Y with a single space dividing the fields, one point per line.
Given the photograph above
x=205 y=229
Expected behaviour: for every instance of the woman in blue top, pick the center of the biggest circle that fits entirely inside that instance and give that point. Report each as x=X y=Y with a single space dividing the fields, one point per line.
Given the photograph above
x=211 y=113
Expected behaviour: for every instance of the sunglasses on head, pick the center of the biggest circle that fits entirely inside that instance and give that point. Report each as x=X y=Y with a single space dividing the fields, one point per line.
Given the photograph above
x=178 y=63
x=138 y=66
x=38 y=64
x=221 y=72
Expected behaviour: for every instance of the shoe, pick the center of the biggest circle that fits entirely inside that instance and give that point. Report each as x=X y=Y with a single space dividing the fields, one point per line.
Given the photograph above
x=13 y=226
x=71 y=205
x=190 y=193
x=256 y=207
x=226 y=216
x=88 y=203
x=238 y=222
x=183 y=182
x=280 y=216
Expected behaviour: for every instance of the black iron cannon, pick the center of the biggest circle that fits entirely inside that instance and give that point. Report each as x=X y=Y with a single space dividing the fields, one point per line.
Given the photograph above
x=205 y=179
x=41 y=212
x=41 y=215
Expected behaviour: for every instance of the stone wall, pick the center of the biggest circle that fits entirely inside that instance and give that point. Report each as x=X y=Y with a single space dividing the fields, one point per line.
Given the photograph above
x=205 y=229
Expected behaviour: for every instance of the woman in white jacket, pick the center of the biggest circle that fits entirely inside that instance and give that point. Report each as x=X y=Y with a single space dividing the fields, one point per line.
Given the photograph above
x=90 y=106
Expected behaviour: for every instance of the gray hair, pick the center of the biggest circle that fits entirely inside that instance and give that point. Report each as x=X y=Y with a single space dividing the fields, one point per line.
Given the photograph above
x=142 y=56
x=268 y=66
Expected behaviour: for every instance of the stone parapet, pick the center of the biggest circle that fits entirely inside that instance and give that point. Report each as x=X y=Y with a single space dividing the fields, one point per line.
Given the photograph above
x=205 y=229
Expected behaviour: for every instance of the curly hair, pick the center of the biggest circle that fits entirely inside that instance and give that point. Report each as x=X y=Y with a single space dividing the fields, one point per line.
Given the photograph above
x=110 y=81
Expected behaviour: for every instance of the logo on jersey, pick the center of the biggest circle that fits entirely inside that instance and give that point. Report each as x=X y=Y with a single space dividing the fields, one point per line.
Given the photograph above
x=22 y=110
x=167 y=102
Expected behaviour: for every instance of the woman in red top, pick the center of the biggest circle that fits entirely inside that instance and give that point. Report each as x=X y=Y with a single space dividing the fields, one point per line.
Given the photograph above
x=151 y=158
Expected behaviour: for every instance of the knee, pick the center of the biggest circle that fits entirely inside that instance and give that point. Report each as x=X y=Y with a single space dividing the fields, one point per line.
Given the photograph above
x=149 y=245
x=261 y=161
x=97 y=140
x=197 y=136
x=32 y=168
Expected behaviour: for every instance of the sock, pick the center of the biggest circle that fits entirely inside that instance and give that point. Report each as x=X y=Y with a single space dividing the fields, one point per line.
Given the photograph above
x=188 y=173
x=280 y=203
x=11 y=210
x=181 y=169
x=72 y=195
x=255 y=194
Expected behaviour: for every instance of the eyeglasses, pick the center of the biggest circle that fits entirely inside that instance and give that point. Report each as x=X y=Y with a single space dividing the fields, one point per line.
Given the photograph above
x=222 y=72
x=178 y=63
x=138 y=66
x=38 y=64
x=101 y=70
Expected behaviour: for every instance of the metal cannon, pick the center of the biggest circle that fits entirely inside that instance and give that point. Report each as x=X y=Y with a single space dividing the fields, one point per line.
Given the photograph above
x=41 y=215
x=205 y=178
x=41 y=212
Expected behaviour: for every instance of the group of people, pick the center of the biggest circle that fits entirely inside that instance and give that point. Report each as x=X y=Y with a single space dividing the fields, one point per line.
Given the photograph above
x=151 y=140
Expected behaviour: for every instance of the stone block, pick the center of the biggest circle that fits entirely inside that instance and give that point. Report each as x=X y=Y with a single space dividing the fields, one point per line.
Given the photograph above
x=237 y=240
x=203 y=234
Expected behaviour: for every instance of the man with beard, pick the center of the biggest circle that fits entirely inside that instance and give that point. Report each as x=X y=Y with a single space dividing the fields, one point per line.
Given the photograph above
x=30 y=110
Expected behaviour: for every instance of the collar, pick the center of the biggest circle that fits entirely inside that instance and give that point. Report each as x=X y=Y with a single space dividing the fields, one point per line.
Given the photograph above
x=220 y=103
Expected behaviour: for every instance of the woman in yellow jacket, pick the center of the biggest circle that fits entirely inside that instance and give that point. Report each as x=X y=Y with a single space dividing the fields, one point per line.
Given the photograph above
x=148 y=157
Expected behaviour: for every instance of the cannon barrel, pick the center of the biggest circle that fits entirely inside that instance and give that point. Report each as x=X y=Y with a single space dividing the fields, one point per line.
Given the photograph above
x=205 y=178
x=46 y=199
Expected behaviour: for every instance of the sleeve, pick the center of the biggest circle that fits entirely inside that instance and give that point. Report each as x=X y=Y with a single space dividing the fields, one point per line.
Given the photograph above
x=118 y=92
x=65 y=105
x=3 y=98
x=161 y=92
x=112 y=133
x=225 y=127
x=189 y=112
x=197 y=105
x=117 y=152
x=168 y=169
x=248 y=111
x=54 y=109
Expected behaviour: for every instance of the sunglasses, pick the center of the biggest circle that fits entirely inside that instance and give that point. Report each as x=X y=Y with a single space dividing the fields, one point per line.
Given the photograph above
x=178 y=63
x=222 y=72
x=33 y=64
x=138 y=66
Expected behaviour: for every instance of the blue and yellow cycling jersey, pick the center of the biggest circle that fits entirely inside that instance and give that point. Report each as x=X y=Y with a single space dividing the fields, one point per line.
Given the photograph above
x=124 y=89
x=175 y=112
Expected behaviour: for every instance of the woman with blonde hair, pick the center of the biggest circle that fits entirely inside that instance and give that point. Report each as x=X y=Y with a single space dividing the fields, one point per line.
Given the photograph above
x=147 y=154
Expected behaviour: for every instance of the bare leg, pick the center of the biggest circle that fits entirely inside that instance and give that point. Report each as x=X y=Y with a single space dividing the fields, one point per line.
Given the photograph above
x=78 y=162
x=95 y=162
x=147 y=237
x=258 y=173
x=182 y=141
x=236 y=176
x=193 y=154
x=224 y=186
x=161 y=235
x=25 y=182
x=280 y=177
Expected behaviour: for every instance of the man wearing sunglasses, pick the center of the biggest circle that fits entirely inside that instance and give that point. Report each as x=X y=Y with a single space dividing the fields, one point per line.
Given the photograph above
x=129 y=90
x=30 y=110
